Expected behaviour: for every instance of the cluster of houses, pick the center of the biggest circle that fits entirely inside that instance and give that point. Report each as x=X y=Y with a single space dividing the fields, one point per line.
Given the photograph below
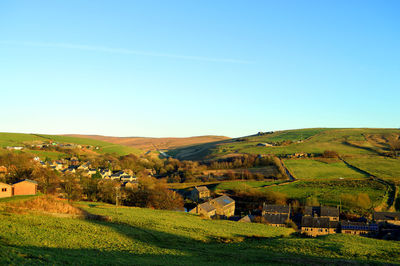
x=324 y=220
x=73 y=165
x=24 y=187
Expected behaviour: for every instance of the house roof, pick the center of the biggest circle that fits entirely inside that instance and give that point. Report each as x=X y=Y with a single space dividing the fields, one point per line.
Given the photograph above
x=276 y=208
x=276 y=218
x=223 y=201
x=246 y=219
x=315 y=222
x=206 y=206
x=201 y=189
x=346 y=225
x=329 y=211
x=321 y=211
x=4 y=184
x=27 y=180
x=386 y=216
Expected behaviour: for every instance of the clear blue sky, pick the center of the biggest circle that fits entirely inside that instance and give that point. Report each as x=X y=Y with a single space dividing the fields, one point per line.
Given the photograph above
x=184 y=68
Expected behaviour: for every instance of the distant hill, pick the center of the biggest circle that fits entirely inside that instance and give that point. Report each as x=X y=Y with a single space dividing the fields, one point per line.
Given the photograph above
x=20 y=139
x=154 y=143
x=347 y=141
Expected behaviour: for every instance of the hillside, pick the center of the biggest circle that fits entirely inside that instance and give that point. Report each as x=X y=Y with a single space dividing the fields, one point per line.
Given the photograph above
x=26 y=140
x=349 y=141
x=145 y=236
x=154 y=143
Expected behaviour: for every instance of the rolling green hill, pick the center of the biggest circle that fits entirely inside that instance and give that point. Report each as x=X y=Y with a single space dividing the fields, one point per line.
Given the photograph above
x=19 y=139
x=145 y=236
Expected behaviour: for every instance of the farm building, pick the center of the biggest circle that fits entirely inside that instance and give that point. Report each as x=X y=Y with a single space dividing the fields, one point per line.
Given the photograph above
x=356 y=228
x=277 y=220
x=5 y=190
x=224 y=205
x=314 y=226
x=205 y=209
x=247 y=219
x=322 y=212
x=387 y=217
x=200 y=193
x=25 y=187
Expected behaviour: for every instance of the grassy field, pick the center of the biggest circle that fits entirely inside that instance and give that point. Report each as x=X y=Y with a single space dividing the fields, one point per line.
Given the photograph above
x=144 y=236
x=383 y=167
x=242 y=185
x=312 y=169
x=329 y=192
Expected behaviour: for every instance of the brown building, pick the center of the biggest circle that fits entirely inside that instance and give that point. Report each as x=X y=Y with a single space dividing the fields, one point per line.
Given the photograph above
x=200 y=193
x=25 y=187
x=5 y=190
x=314 y=226
x=224 y=205
x=205 y=209
x=387 y=217
x=356 y=228
x=322 y=212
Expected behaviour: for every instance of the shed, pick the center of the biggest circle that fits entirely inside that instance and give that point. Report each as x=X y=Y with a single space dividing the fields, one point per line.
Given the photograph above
x=25 y=187
x=6 y=190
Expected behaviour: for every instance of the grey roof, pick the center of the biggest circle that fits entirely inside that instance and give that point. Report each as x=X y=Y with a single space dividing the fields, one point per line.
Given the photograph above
x=387 y=216
x=276 y=208
x=329 y=211
x=207 y=207
x=201 y=189
x=246 y=219
x=276 y=218
x=321 y=211
x=223 y=201
x=27 y=180
x=308 y=221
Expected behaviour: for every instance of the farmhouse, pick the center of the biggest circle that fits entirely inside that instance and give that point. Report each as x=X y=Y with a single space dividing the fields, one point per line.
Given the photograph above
x=25 y=187
x=5 y=190
x=323 y=212
x=355 y=228
x=314 y=226
x=224 y=205
x=205 y=209
x=387 y=217
x=200 y=193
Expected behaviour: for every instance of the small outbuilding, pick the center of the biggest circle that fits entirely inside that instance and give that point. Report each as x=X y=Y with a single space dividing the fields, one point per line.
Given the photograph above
x=200 y=193
x=25 y=187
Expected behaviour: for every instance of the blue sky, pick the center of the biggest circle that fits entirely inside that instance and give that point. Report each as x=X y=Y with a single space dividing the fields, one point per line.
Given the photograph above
x=187 y=68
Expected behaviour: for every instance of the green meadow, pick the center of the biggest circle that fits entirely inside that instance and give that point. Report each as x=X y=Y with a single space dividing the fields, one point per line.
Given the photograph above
x=383 y=167
x=314 y=169
x=145 y=236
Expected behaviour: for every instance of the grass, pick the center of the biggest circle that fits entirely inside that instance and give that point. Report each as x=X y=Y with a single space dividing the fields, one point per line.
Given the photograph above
x=312 y=169
x=144 y=236
x=329 y=191
x=383 y=167
x=242 y=185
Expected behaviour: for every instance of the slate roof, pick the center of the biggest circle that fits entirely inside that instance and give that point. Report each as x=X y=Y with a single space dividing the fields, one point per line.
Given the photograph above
x=223 y=201
x=207 y=207
x=386 y=216
x=317 y=211
x=308 y=221
x=329 y=211
x=276 y=208
x=276 y=218
x=27 y=180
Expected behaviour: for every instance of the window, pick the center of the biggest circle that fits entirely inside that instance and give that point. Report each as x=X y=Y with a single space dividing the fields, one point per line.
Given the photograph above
x=3 y=189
